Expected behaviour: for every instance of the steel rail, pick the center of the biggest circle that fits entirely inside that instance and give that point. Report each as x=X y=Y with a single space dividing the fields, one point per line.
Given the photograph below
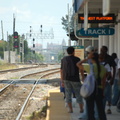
x=2 y=89
x=38 y=72
x=26 y=101
x=18 y=69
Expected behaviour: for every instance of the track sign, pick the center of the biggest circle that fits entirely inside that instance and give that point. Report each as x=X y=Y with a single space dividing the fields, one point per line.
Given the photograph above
x=95 y=32
x=106 y=7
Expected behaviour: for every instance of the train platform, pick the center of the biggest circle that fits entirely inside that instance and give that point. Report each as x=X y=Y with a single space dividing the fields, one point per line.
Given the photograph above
x=57 y=109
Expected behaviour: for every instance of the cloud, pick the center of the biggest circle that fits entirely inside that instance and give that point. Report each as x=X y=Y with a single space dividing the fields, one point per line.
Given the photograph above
x=4 y=10
x=21 y=14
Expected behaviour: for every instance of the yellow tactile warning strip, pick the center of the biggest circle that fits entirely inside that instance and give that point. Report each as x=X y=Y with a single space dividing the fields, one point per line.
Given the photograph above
x=56 y=106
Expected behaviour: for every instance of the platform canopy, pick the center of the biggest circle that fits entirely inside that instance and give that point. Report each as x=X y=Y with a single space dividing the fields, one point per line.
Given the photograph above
x=96 y=6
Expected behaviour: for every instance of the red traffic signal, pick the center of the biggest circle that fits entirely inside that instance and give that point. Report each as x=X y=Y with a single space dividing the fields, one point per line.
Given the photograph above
x=16 y=44
x=15 y=35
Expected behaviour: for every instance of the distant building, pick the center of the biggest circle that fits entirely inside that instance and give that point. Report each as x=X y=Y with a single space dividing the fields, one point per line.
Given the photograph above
x=52 y=50
x=11 y=57
x=38 y=47
x=63 y=43
x=54 y=46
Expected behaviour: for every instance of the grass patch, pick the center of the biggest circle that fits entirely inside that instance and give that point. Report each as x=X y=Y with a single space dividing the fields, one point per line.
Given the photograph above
x=14 y=78
x=39 y=115
x=6 y=66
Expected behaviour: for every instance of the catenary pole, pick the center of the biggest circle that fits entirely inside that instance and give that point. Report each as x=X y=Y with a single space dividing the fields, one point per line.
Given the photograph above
x=69 y=41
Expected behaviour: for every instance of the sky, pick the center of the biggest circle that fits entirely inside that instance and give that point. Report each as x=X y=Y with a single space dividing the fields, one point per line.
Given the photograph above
x=35 y=13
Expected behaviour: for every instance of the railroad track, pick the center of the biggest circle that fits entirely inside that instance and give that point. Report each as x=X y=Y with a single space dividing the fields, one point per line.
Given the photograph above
x=40 y=74
x=14 y=97
x=24 y=68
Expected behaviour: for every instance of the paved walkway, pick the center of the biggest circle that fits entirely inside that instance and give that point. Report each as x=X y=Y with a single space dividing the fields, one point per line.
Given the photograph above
x=58 y=111
x=114 y=116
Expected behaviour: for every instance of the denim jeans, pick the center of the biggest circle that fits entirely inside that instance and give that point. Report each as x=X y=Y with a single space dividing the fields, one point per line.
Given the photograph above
x=116 y=92
x=107 y=94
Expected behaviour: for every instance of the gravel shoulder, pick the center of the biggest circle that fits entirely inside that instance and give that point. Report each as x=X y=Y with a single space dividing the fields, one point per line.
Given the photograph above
x=39 y=97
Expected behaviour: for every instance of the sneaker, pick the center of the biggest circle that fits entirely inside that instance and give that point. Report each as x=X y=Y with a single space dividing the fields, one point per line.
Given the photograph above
x=70 y=111
x=82 y=117
x=109 y=111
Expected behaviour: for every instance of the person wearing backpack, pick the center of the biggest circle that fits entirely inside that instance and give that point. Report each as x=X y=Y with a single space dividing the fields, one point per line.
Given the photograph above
x=107 y=89
x=97 y=95
x=70 y=78
x=110 y=79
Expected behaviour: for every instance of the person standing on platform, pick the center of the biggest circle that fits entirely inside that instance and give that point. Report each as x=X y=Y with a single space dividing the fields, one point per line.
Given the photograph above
x=107 y=89
x=118 y=103
x=88 y=50
x=110 y=79
x=108 y=59
x=115 y=90
x=97 y=95
x=69 y=73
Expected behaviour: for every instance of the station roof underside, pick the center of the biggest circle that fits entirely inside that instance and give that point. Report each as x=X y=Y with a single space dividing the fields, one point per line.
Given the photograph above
x=95 y=6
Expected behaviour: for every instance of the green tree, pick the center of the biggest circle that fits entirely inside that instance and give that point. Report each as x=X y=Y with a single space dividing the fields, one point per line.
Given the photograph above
x=60 y=56
x=28 y=53
x=26 y=49
x=34 y=57
x=39 y=58
x=3 y=47
x=65 y=23
x=10 y=42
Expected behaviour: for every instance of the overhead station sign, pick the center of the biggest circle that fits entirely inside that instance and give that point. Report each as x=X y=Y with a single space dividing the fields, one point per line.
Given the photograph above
x=97 y=18
x=95 y=32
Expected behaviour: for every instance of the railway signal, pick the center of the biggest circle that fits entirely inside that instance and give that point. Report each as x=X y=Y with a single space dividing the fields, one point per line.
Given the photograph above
x=16 y=42
x=15 y=35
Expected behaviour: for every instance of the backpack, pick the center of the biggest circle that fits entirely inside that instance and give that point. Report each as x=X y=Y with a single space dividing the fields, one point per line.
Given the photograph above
x=89 y=84
x=110 y=75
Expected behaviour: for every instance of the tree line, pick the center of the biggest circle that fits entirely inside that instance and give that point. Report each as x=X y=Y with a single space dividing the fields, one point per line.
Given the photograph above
x=28 y=52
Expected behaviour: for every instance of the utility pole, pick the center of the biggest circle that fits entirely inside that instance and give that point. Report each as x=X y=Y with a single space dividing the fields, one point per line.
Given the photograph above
x=23 y=37
x=21 y=47
x=8 y=48
x=34 y=49
x=69 y=40
x=2 y=30
x=30 y=38
x=13 y=29
x=41 y=33
x=2 y=35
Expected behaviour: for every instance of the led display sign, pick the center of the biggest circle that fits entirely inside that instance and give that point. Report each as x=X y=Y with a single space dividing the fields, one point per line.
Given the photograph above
x=97 y=18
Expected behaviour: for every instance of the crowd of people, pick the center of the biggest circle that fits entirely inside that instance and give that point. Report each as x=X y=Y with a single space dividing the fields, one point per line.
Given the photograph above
x=106 y=93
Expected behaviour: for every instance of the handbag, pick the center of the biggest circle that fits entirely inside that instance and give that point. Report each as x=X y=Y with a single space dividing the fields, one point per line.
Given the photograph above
x=88 y=85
